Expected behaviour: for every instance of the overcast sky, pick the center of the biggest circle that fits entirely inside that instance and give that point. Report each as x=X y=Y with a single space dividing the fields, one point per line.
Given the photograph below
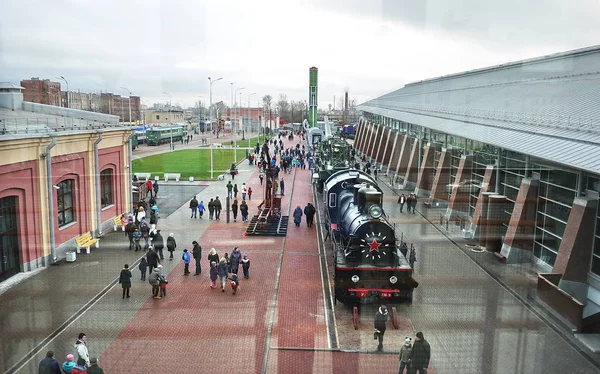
x=370 y=47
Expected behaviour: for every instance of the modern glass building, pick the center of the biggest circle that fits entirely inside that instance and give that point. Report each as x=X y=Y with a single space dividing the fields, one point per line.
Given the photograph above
x=513 y=151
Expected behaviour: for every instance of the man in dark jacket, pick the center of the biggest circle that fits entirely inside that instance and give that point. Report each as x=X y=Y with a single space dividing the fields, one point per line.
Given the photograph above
x=171 y=245
x=211 y=209
x=420 y=355
x=380 y=327
x=236 y=258
x=197 y=253
x=309 y=212
x=152 y=258
x=218 y=208
x=94 y=368
x=158 y=244
x=49 y=365
x=194 y=207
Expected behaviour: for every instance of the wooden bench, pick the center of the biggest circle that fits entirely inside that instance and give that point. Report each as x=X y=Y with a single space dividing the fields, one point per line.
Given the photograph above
x=146 y=176
x=176 y=176
x=86 y=241
x=118 y=222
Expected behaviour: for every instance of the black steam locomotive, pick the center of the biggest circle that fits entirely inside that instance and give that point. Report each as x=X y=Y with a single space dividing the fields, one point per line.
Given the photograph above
x=371 y=264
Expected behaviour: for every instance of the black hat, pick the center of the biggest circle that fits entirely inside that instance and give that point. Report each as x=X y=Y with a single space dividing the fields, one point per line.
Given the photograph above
x=420 y=335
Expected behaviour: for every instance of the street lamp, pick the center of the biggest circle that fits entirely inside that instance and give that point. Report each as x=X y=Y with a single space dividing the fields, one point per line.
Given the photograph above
x=235 y=96
x=129 y=100
x=166 y=93
x=210 y=95
x=249 y=96
x=234 y=138
x=64 y=79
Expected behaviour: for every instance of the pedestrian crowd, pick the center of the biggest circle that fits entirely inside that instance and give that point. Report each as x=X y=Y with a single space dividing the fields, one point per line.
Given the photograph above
x=75 y=363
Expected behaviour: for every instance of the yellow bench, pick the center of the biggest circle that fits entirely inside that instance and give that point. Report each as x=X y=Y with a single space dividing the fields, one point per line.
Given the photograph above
x=118 y=222
x=86 y=241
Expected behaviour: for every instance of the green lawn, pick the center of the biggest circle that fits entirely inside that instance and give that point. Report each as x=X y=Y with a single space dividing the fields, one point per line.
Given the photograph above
x=244 y=143
x=190 y=163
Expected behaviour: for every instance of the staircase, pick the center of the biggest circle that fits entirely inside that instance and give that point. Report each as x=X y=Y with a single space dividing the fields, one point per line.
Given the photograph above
x=272 y=226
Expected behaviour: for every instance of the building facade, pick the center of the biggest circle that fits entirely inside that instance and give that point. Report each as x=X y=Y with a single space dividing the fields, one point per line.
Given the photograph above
x=164 y=116
x=514 y=152
x=49 y=171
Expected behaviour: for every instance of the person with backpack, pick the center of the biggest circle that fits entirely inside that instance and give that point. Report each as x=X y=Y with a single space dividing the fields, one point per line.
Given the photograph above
x=158 y=244
x=244 y=211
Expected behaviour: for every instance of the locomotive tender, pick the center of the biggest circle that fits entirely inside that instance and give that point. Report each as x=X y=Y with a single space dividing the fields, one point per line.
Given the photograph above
x=370 y=265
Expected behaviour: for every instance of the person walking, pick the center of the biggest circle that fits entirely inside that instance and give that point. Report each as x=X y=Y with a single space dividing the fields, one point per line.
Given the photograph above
x=197 y=254
x=145 y=229
x=211 y=209
x=201 y=208
x=194 y=207
x=297 y=216
x=137 y=236
x=235 y=258
x=214 y=274
x=261 y=177
x=223 y=272
x=213 y=256
x=152 y=258
x=158 y=244
x=49 y=365
x=218 y=208
x=282 y=186
x=229 y=189
x=83 y=356
x=149 y=188
x=155 y=188
x=380 y=327
x=414 y=202
x=171 y=245
x=94 y=368
x=404 y=356
x=125 y=280
x=250 y=193
x=420 y=355
x=143 y=266
x=235 y=191
x=154 y=280
x=186 y=262
x=246 y=266
x=401 y=201
x=244 y=191
x=235 y=283
x=309 y=212
x=244 y=211
x=129 y=230
x=234 y=210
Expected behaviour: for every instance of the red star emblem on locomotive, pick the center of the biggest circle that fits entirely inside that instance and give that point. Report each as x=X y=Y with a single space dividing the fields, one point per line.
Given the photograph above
x=374 y=245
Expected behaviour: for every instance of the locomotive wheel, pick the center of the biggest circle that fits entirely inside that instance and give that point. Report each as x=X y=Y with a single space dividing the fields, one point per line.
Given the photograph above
x=394 y=317
x=355 y=317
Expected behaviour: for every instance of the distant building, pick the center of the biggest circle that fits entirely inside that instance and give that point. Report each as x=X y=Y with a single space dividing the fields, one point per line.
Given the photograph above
x=164 y=116
x=41 y=91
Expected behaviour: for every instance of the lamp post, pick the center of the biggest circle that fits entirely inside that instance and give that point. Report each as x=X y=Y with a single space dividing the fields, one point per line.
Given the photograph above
x=64 y=79
x=249 y=96
x=234 y=139
x=210 y=96
x=129 y=103
x=171 y=145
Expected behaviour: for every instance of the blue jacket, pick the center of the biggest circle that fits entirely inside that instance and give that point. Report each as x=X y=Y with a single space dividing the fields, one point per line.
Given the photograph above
x=223 y=271
x=186 y=258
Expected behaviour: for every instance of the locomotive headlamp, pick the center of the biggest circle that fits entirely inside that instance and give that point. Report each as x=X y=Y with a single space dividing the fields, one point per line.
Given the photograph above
x=375 y=211
x=355 y=278
x=393 y=279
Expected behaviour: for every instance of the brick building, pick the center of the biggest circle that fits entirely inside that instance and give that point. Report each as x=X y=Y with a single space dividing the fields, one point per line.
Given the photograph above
x=41 y=91
x=514 y=152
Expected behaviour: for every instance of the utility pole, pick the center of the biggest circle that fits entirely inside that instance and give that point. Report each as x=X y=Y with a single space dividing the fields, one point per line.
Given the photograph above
x=210 y=97
x=170 y=125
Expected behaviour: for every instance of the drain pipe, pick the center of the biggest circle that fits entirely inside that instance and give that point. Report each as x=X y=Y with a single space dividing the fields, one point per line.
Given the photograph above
x=98 y=201
x=50 y=189
x=130 y=174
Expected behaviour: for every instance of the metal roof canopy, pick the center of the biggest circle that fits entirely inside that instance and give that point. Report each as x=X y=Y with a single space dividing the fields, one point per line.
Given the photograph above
x=547 y=107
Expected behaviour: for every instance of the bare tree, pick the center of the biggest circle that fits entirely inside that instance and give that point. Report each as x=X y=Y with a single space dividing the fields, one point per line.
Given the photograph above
x=267 y=100
x=340 y=103
x=284 y=107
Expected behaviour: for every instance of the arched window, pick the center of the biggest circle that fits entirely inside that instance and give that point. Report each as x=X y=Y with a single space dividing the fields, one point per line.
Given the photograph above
x=66 y=202
x=106 y=189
